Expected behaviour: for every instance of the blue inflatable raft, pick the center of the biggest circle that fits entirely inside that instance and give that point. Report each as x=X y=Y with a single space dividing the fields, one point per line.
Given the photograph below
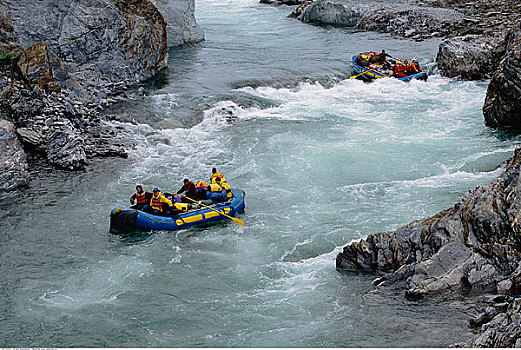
x=123 y=219
x=369 y=73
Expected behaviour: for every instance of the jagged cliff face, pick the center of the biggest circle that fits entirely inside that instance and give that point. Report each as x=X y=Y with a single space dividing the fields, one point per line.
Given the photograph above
x=503 y=102
x=181 y=25
x=101 y=42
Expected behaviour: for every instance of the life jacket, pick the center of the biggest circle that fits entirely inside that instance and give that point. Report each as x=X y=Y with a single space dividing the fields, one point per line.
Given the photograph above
x=214 y=187
x=156 y=202
x=201 y=184
x=141 y=198
x=187 y=185
x=228 y=189
x=215 y=176
x=181 y=206
x=416 y=67
x=399 y=67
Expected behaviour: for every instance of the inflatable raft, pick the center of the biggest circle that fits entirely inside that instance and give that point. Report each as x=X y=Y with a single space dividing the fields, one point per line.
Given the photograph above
x=124 y=219
x=375 y=71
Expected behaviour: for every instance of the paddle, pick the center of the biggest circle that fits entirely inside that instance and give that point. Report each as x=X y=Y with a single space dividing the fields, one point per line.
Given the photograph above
x=236 y=220
x=368 y=70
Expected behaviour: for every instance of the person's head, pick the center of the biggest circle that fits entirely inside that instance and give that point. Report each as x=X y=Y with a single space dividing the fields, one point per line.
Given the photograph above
x=156 y=191
x=218 y=180
x=214 y=170
x=139 y=188
x=405 y=61
x=383 y=51
x=186 y=181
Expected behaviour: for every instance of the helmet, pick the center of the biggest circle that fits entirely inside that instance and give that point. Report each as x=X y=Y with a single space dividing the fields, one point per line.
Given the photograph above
x=155 y=190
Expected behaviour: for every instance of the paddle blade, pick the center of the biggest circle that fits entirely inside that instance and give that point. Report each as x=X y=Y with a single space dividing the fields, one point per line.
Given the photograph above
x=238 y=221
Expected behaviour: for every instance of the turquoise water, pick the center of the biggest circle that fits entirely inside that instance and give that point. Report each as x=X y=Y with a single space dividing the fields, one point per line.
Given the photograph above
x=324 y=160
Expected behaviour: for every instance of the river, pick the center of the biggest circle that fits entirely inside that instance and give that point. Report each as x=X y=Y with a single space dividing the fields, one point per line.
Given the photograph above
x=324 y=160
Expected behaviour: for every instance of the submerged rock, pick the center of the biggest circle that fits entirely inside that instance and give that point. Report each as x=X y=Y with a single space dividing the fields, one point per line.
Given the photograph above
x=503 y=101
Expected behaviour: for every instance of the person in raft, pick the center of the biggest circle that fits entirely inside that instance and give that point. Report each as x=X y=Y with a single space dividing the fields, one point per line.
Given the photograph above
x=216 y=174
x=141 y=197
x=225 y=186
x=156 y=203
x=189 y=189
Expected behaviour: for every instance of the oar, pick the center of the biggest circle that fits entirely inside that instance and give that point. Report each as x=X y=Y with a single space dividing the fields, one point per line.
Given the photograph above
x=236 y=220
x=356 y=76
x=369 y=70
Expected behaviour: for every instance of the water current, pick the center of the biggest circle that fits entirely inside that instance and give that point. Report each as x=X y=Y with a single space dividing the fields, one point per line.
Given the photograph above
x=323 y=159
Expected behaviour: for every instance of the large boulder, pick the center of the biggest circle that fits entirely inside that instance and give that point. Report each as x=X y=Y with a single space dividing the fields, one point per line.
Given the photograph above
x=181 y=25
x=470 y=57
x=101 y=42
x=399 y=18
x=13 y=160
x=503 y=101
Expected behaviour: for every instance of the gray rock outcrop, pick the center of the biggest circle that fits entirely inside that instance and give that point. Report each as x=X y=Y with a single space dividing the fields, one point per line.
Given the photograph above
x=182 y=27
x=397 y=18
x=503 y=101
x=13 y=160
x=503 y=331
x=470 y=57
x=100 y=42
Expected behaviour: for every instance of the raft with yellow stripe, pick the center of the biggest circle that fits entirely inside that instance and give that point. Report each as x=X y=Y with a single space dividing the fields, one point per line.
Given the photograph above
x=368 y=73
x=127 y=218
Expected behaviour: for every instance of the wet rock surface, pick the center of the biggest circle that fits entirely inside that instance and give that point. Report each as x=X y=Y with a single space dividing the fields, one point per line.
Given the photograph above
x=100 y=42
x=472 y=247
x=181 y=25
x=414 y=19
x=13 y=160
x=470 y=57
x=503 y=101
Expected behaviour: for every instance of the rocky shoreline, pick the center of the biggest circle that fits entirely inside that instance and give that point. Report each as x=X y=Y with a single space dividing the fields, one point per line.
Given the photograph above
x=474 y=247
x=63 y=62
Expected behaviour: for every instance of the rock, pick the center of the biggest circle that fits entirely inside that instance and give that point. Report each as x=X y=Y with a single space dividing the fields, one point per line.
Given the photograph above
x=503 y=331
x=181 y=25
x=503 y=101
x=397 y=18
x=283 y=2
x=100 y=42
x=484 y=317
x=332 y=12
x=473 y=246
x=65 y=150
x=13 y=160
x=470 y=57
x=38 y=64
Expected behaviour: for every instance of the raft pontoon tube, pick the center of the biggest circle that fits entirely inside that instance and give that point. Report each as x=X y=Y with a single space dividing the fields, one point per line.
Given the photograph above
x=374 y=73
x=122 y=219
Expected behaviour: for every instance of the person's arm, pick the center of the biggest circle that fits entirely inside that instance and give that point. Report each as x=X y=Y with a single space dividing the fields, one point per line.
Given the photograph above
x=167 y=201
x=181 y=190
x=132 y=199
